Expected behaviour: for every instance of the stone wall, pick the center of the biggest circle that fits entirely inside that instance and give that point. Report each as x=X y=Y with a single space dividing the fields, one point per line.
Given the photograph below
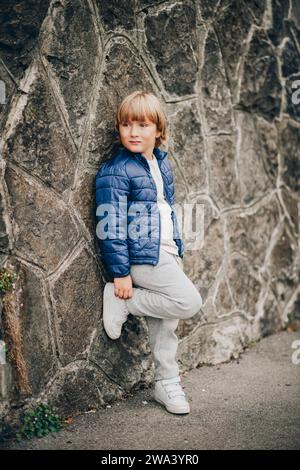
x=224 y=71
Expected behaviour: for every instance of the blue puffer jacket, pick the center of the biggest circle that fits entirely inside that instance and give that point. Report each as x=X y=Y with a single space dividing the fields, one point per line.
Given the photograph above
x=126 y=199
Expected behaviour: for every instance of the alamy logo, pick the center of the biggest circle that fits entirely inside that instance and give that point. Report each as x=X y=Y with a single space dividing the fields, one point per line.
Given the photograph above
x=136 y=220
x=2 y=92
x=296 y=354
x=296 y=93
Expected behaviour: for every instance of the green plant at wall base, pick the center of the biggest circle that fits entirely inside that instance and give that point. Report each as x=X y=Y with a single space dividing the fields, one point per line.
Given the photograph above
x=7 y=279
x=38 y=422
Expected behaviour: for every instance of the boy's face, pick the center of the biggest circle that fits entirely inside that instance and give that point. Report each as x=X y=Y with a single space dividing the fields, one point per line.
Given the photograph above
x=139 y=136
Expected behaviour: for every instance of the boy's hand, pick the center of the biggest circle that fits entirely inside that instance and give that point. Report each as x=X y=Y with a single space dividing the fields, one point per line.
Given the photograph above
x=123 y=287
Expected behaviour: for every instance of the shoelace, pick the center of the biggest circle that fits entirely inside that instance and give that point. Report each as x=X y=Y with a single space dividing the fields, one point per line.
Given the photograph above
x=174 y=390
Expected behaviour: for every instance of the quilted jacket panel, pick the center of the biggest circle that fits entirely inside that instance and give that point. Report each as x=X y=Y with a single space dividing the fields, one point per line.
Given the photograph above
x=127 y=214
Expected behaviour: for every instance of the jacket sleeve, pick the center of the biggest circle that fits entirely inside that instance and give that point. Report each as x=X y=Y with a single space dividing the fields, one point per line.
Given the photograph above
x=112 y=190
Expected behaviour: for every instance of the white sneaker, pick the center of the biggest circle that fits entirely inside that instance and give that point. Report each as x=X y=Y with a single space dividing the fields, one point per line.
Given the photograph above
x=115 y=311
x=169 y=393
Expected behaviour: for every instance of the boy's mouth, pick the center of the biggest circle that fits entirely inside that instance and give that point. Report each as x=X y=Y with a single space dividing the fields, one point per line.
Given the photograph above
x=134 y=142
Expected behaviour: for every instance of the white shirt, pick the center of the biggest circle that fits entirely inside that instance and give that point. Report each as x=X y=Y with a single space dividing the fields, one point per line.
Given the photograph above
x=167 y=242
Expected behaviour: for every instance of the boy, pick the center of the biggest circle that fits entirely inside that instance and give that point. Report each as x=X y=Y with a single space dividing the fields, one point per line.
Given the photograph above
x=134 y=187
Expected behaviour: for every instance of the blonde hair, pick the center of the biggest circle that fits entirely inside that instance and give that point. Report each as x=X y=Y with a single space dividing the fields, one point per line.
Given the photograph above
x=140 y=105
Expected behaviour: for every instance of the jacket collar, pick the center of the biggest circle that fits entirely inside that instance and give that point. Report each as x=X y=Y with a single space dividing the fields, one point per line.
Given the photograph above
x=160 y=154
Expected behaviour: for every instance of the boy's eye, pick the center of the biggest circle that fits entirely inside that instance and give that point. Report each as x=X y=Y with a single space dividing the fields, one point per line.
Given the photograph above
x=143 y=124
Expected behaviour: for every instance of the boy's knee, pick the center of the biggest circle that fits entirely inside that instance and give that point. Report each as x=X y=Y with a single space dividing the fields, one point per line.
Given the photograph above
x=191 y=305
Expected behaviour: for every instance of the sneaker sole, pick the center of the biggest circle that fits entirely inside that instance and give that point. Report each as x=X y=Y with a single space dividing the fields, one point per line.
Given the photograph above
x=174 y=409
